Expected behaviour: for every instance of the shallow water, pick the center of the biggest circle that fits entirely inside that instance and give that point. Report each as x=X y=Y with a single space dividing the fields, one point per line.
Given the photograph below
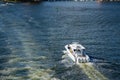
x=32 y=38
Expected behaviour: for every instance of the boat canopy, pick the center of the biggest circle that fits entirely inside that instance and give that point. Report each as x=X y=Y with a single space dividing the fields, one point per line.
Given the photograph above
x=77 y=46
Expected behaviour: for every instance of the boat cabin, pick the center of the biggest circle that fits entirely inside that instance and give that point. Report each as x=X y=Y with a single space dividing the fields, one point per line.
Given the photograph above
x=77 y=49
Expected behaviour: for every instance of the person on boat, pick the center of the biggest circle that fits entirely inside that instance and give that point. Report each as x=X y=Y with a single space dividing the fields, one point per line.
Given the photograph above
x=70 y=49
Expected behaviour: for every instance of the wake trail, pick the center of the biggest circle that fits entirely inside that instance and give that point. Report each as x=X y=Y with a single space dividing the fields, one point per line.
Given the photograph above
x=30 y=49
x=91 y=72
x=26 y=55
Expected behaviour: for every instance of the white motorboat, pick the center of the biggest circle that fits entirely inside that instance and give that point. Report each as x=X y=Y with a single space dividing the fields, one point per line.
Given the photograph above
x=77 y=53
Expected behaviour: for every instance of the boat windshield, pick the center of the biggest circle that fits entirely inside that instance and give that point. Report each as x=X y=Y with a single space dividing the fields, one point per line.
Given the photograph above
x=79 y=52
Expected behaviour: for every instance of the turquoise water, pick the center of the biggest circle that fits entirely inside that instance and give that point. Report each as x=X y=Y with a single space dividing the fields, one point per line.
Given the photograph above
x=32 y=38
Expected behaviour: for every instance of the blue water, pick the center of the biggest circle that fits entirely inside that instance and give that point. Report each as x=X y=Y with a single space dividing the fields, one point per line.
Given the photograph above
x=32 y=37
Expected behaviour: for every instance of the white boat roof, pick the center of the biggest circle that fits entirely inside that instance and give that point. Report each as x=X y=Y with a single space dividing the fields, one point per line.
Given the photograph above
x=76 y=45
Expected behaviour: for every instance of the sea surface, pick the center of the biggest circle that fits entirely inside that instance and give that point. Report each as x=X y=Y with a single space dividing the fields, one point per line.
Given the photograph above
x=33 y=36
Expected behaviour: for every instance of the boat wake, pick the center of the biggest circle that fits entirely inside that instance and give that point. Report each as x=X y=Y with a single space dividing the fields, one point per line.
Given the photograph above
x=91 y=72
x=67 y=61
x=87 y=68
x=25 y=61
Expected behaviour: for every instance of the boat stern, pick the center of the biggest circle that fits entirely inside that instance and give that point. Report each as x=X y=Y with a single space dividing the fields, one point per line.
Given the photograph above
x=84 y=59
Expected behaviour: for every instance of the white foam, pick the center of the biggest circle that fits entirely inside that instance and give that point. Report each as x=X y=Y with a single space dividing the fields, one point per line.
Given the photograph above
x=91 y=72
